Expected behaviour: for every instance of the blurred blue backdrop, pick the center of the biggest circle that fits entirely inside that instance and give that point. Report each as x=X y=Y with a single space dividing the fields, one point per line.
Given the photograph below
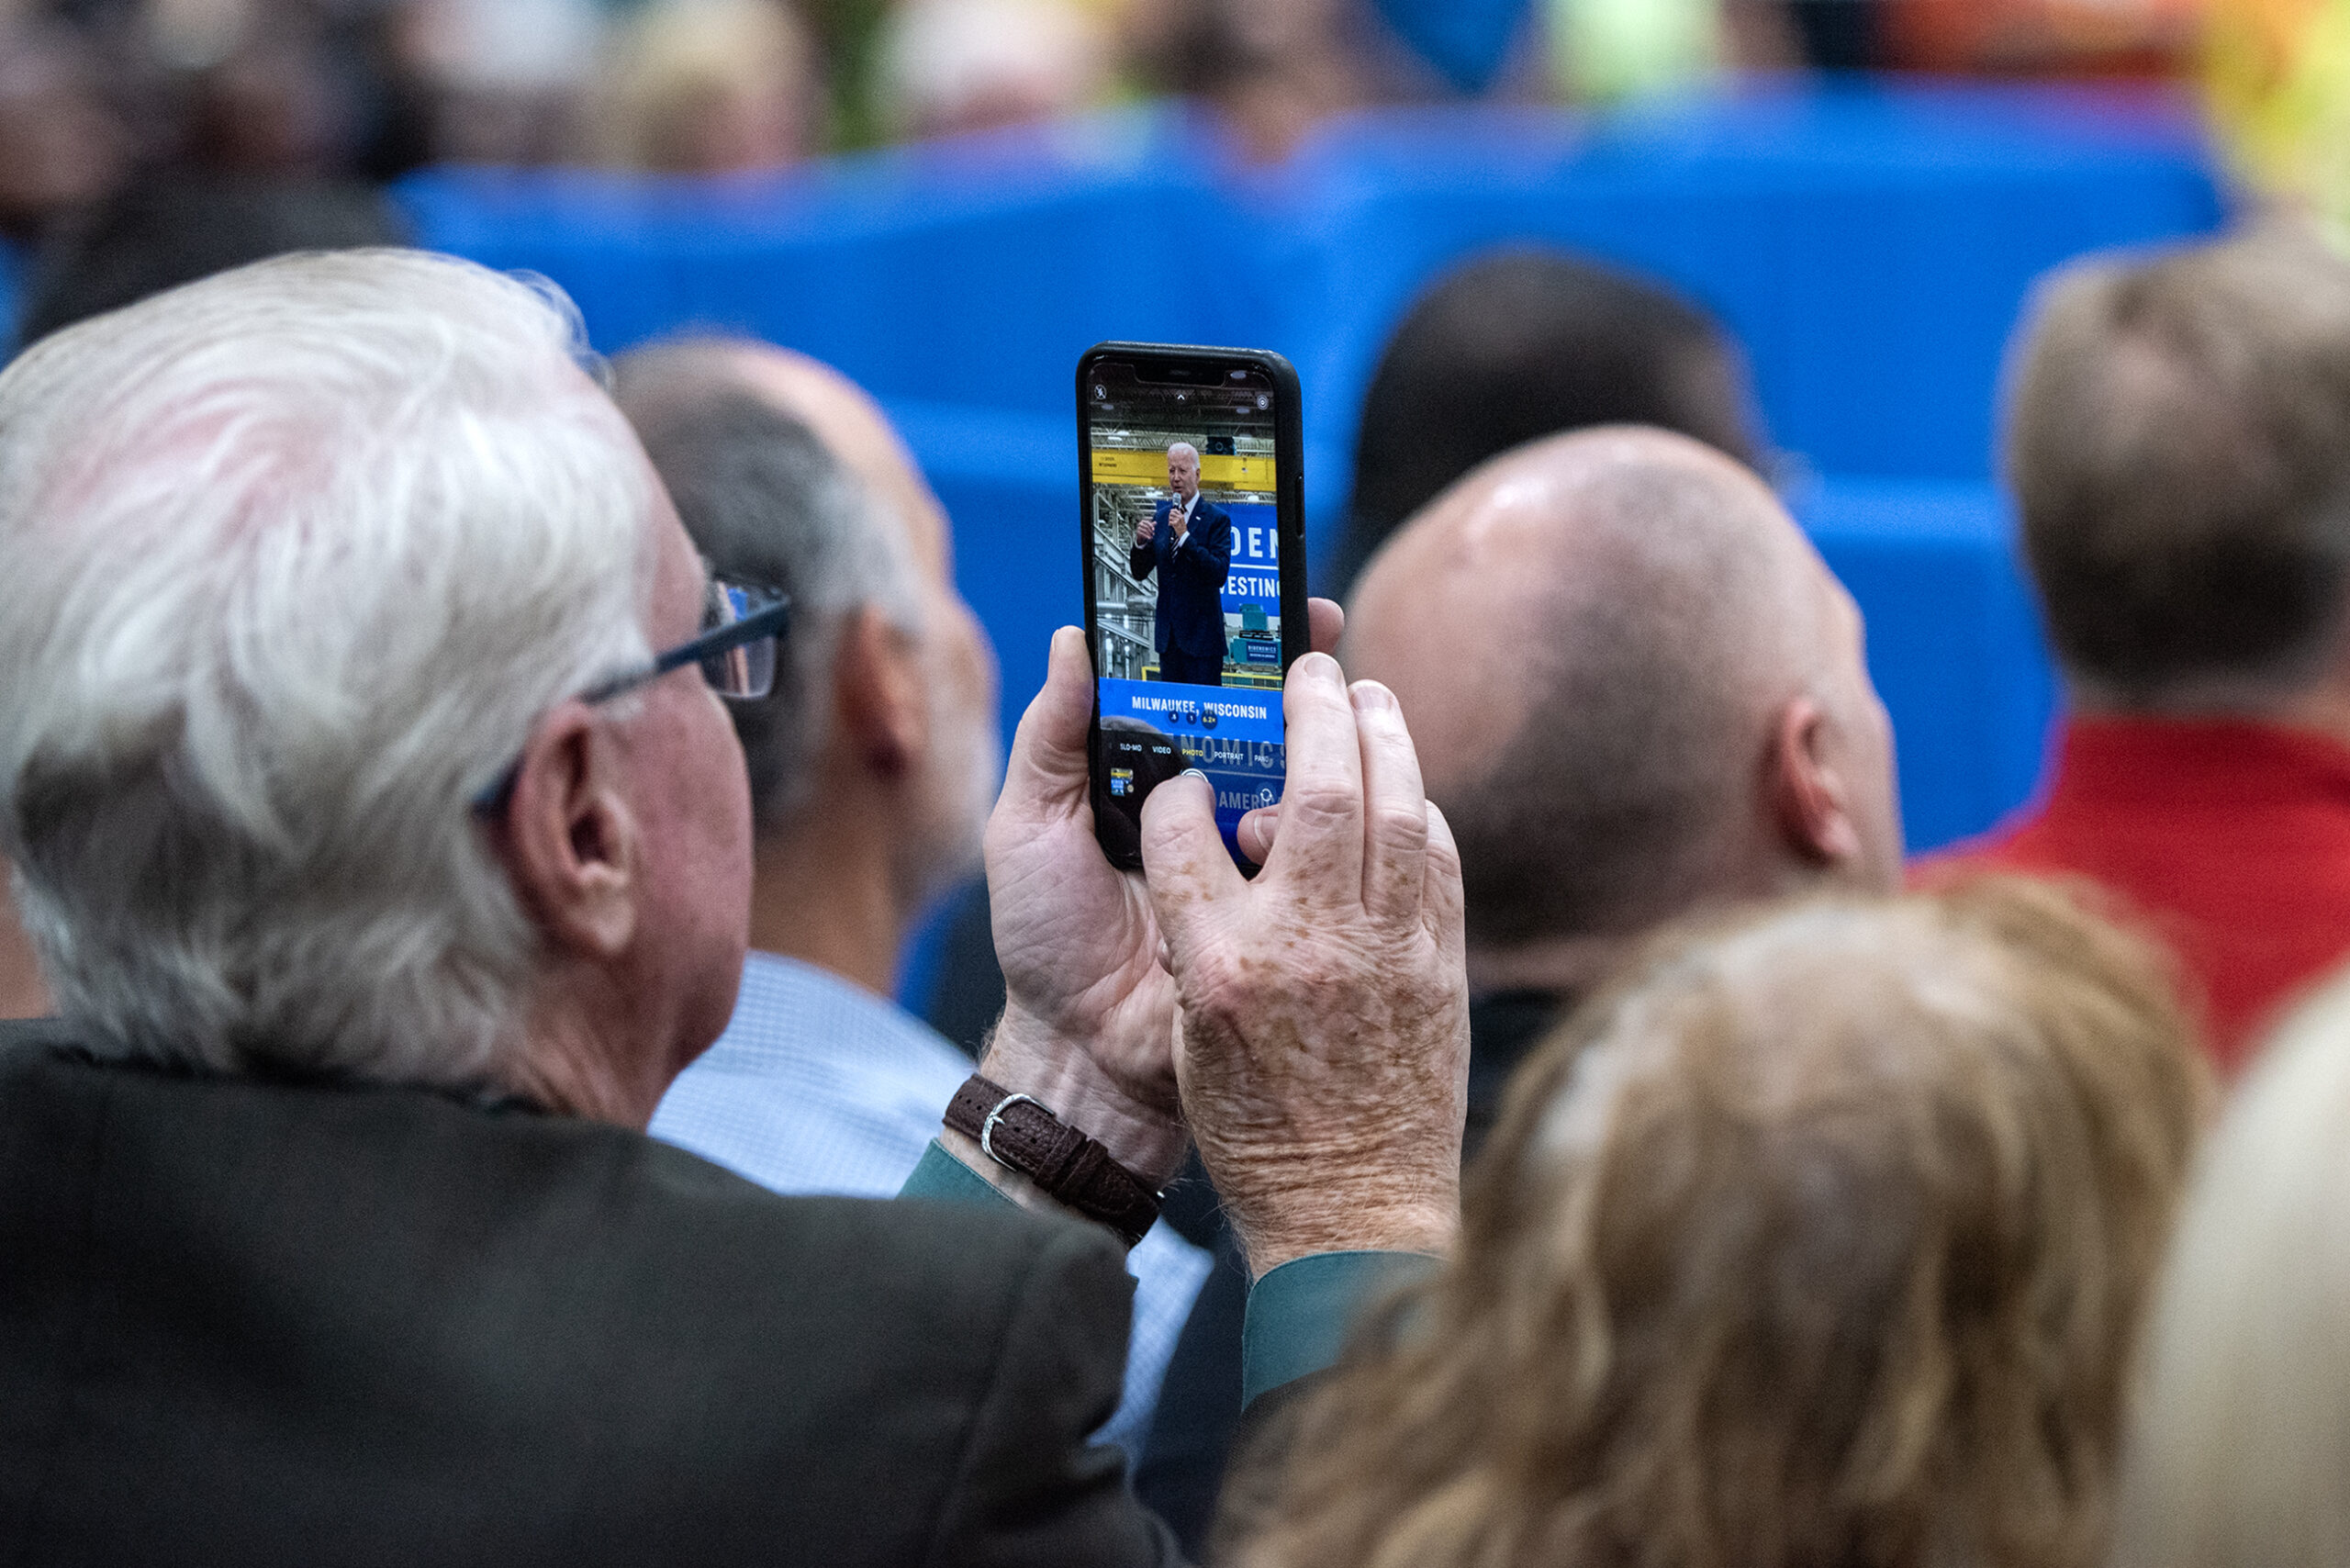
x=1871 y=245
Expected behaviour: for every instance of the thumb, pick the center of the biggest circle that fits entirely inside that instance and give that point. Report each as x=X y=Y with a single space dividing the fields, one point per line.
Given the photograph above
x=1185 y=862
x=1049 y=761
x=1257 y=832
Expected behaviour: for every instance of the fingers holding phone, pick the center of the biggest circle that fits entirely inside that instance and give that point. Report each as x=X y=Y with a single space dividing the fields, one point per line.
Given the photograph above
x=1324 y=1006
x=1088 y=1024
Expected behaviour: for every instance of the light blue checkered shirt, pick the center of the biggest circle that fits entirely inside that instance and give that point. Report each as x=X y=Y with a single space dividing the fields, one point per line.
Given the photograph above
x=820 y=1086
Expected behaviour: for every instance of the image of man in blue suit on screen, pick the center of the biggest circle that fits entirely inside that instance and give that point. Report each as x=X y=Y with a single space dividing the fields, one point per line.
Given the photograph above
x=1187 y=540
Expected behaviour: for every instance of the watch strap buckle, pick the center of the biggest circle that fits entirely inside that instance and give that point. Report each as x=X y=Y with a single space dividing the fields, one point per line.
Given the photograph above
x=994 y=1118
x=1070 y=1168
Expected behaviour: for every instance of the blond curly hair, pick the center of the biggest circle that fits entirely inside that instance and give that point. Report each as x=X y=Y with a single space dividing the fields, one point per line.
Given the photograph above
x=1821 y=1237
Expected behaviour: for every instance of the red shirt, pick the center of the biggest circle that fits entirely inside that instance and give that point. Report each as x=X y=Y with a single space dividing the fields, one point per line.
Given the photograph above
x=2233 y=839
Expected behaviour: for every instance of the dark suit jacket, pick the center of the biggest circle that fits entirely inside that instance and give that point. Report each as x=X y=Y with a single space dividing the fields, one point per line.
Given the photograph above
x=1190 y=616
x=253 y=1322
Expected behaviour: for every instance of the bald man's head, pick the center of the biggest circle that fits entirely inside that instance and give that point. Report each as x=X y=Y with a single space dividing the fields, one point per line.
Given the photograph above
x=787 y=472
x=1634 y=686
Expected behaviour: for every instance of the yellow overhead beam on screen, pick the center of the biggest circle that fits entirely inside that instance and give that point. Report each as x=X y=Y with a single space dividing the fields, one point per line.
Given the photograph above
x=1249 y=473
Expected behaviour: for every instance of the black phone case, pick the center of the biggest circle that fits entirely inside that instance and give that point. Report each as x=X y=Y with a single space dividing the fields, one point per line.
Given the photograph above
x=1289 y=517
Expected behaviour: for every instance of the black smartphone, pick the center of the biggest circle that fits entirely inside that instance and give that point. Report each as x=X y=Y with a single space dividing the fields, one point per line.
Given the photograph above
x=1193 y=490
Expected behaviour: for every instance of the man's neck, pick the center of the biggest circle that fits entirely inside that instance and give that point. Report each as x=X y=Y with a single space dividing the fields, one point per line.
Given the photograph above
x=828 y=898
x=568 y=1064
x=2325 y=710
x=2322 y=708
x=22 y=993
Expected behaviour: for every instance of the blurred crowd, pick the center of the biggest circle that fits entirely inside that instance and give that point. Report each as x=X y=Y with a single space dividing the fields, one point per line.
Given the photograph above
x=1586 y=1139
x=94 y=91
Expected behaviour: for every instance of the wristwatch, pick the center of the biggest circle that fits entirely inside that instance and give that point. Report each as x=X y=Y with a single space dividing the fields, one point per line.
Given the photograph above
x=1020 y=1134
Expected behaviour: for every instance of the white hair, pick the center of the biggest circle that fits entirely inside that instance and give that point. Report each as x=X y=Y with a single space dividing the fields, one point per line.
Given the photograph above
x=2241 y=1431
x=291 y=559
x=1184 y=446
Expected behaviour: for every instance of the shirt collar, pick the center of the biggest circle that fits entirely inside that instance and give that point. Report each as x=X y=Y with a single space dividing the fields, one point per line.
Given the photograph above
x=788 y=1006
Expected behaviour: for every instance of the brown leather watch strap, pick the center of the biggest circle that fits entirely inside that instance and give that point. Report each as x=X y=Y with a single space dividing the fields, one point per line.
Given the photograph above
x=1020 y=1135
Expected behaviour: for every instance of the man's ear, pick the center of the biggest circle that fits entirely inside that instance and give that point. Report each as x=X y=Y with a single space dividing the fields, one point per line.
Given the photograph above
x=878 y=696
x=568 y=838
x=1810 y=798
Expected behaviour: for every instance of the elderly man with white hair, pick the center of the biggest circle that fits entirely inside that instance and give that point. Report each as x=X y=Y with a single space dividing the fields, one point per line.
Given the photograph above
x=387 y=849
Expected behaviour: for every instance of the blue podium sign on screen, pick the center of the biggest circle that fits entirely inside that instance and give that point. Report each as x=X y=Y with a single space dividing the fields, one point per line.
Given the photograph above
x=1256 y=577
x=1252 y=593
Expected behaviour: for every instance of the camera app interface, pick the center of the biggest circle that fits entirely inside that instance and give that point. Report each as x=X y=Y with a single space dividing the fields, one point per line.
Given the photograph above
x=1186 y=588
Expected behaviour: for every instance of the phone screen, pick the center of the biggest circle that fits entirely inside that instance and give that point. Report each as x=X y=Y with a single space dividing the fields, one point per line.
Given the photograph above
x=1186 y=558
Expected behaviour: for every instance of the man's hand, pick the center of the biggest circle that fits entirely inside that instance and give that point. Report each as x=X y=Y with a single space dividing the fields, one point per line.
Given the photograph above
x=1324 y=1056
x=1145 y=530
x=1177 y=520
x=1089 y=1021
x=1085 y=1026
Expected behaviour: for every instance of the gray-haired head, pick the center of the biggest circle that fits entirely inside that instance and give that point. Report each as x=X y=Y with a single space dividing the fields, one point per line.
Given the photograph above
x=2179 y=441
x=765 y=500
x=1184 y=470
x=291 y=560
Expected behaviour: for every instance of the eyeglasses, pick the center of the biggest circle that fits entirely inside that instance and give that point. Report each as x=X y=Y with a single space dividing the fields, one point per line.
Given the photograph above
x=736 y=650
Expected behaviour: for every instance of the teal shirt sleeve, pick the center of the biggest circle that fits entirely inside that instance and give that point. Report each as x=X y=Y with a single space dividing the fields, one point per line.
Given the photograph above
x=944 y=1179
x=1298 y=1314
